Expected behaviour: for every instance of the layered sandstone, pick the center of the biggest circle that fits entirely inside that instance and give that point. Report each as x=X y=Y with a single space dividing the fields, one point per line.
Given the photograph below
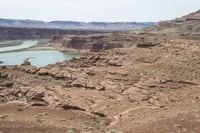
x=102 y=42
x=151 y=84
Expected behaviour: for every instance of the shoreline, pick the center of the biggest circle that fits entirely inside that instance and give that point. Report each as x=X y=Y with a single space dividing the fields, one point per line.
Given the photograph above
x=46 y=54
x=10 y=43
x=42 y=44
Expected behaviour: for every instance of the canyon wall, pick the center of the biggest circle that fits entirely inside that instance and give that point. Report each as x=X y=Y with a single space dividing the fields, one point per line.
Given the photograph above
x=101 y=42
x=92 y=43
x=8 y=33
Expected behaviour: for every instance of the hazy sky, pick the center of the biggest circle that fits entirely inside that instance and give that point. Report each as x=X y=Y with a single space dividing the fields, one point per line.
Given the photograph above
x=97 y=10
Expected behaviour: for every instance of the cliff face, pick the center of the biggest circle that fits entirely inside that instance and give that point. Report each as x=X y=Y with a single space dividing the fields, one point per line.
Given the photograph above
x=101 y=42
x=7 y=33
x=91 y=43
x=95 y=43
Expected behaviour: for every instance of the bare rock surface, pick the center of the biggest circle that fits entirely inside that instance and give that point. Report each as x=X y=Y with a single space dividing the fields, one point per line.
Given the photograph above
x=151 y=84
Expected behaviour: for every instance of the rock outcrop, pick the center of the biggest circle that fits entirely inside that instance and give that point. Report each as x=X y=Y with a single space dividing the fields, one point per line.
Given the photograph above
x=102 y=42
x=187 y=26
x=26 y=63
x=92 y=43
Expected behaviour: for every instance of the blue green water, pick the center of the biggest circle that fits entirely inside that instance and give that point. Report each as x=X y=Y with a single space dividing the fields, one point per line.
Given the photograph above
x=37 y=58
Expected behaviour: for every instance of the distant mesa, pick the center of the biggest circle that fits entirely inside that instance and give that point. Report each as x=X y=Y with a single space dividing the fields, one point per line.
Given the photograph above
x=29 y=29
x=1 y=62
x=119 y=26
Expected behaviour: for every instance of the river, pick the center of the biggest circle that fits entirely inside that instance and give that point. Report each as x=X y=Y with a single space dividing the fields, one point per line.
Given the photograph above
x=25 y=44
x=37 y=58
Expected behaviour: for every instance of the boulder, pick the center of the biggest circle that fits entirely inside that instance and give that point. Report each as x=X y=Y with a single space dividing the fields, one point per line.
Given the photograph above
x=36 y=97
x=26 y=63
x=4 y=75
x=43 y=71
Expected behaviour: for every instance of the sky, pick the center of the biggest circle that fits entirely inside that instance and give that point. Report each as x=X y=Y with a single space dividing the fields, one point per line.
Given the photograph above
x=97 y=10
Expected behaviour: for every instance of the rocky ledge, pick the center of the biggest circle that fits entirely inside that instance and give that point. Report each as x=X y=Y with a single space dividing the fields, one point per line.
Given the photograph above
x=102 y=42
